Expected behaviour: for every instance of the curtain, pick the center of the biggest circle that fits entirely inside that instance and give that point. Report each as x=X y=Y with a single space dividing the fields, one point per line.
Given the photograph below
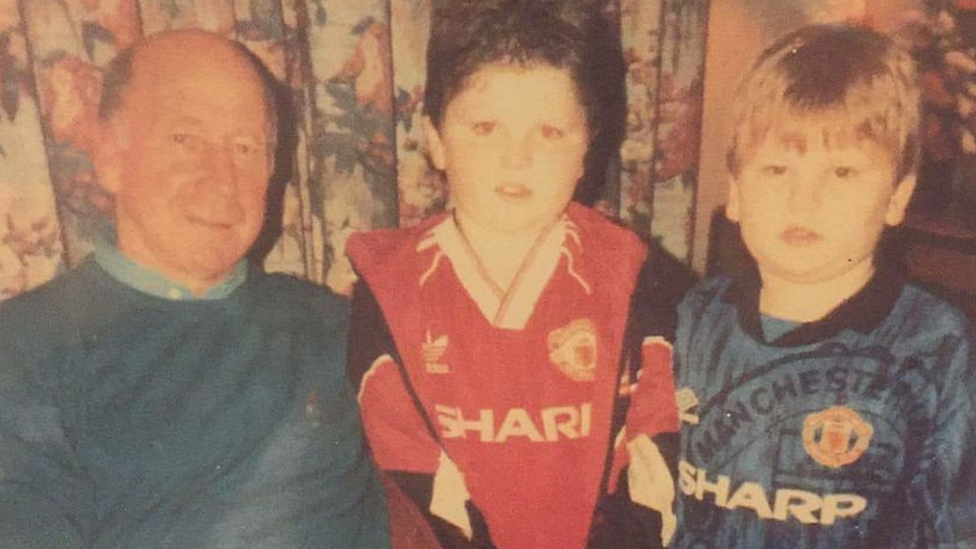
x=356 y=72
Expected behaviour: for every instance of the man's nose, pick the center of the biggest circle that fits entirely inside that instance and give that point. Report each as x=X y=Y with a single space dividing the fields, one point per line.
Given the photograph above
x=224 y=170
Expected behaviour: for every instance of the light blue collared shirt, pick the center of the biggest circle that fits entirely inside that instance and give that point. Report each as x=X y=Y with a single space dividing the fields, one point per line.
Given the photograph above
x=148 y=281
x=774 y=327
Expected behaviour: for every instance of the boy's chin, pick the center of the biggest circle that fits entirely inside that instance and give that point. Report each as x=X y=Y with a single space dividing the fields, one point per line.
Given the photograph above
x=815 y=274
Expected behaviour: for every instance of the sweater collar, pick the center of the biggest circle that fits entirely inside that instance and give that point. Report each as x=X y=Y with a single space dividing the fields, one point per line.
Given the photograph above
x=862 y=312
x=151 y=282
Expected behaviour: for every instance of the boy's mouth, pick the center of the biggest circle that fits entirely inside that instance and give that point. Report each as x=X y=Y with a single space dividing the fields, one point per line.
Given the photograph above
x=798 y=236
x=513 y=191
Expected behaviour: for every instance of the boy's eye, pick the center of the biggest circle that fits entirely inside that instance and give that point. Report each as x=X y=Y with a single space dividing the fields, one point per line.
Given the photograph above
x=774 y=170
x=845 y=172
x=550 y=132
x=483 y=128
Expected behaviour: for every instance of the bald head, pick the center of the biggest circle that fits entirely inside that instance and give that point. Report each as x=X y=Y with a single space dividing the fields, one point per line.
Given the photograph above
x=168 y=52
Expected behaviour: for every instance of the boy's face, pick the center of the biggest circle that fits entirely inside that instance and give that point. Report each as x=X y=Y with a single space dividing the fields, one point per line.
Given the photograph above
x=811 y=213
x=512 y=144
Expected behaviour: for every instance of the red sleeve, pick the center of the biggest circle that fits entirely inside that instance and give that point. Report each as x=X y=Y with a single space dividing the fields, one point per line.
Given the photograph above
x=653 y=408
x=400 y=435
x=648 y=384
x=397 y=434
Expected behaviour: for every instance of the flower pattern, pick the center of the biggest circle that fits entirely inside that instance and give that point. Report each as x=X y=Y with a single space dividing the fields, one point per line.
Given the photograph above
x=664 y=45
x=943 y=39
x=356 y=73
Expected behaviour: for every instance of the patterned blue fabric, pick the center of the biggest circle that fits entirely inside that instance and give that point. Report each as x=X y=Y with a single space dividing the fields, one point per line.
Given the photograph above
x=857 y=431
x=133 y=421
x=774 y=327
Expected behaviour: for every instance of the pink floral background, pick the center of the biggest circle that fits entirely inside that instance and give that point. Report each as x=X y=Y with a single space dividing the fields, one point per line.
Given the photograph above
x=942 y=35
x=356 y=70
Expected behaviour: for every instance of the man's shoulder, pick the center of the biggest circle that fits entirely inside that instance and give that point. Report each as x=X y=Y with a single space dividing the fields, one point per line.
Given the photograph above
x=41 y=319
x=291 y=295
x=43 y=305
x=45 y=292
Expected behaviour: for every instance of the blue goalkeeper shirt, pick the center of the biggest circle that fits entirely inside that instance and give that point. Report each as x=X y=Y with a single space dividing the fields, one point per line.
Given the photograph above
x=854 y=431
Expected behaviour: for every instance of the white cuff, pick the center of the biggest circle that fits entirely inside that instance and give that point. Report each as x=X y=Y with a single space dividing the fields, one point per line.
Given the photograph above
x=651 y=484
x=450 y=493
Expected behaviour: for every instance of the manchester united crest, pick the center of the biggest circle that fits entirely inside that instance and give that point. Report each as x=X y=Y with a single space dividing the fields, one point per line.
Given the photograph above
x=573 y=348
x=836 y=437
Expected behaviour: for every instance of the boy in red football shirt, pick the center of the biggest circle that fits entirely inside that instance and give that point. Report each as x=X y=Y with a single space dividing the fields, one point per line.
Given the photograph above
x=496 y=365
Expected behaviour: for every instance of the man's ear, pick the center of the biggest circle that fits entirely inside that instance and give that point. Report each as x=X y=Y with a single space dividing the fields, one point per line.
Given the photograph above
x=898 y=203
x=106 y=155
x=434 y=144
x=732 y=204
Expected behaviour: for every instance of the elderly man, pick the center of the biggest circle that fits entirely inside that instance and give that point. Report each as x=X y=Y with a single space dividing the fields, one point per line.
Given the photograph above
x=162 y=394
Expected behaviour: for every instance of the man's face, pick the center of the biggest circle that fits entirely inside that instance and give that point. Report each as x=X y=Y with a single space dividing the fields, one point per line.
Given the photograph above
x=811 y=213
x=512 y=144
x=193 y=162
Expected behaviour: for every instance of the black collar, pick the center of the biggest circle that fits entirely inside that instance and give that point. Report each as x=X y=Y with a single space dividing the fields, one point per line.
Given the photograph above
x=862 y=312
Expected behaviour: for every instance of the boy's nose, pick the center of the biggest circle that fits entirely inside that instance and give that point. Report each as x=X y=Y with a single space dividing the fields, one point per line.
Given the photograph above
x=517 y=154
x=804 y=193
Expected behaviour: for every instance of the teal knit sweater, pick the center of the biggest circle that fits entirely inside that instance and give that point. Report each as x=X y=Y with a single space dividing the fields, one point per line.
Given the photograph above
x=131 y=421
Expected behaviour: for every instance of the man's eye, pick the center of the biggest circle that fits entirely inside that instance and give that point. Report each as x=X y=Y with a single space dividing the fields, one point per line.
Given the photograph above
x=551 y=132
x=185 y=140
x=244 y=149
x=483 y=128
x=774 y=170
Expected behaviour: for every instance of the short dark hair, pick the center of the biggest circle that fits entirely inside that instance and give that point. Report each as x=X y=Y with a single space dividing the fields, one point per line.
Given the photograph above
x=826 y=73
x=467 y=35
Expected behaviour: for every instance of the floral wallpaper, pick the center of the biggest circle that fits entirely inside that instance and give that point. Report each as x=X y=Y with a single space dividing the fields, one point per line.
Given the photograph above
x=356 y=72
x=942 y=35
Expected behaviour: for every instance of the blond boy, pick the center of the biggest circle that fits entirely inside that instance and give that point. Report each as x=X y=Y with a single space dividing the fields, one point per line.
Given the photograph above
x=825 y=402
